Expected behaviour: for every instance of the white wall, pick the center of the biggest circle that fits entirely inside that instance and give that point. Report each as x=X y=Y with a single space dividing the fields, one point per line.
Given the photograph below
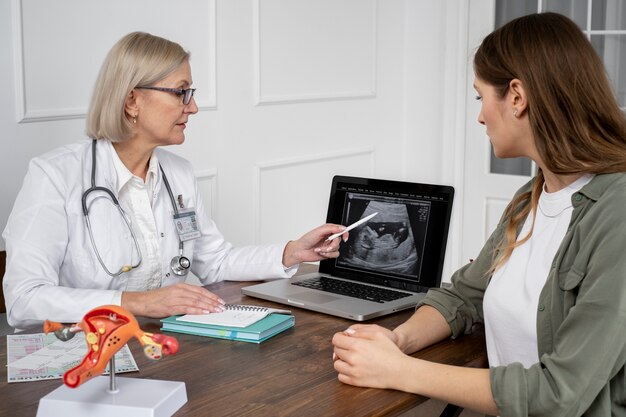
x=291 y=93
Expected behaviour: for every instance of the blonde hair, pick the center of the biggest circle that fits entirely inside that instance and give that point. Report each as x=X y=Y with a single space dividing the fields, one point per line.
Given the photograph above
x=577 y=124
x=138 y=59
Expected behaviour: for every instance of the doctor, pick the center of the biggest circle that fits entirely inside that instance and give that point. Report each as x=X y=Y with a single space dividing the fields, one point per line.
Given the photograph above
x=118 y=220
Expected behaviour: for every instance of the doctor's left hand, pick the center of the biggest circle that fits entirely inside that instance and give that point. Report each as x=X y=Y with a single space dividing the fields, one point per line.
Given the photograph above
x=179 y=298
x=313 y=247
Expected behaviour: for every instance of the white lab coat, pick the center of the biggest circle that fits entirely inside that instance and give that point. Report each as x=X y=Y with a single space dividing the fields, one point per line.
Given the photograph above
x=52 y=271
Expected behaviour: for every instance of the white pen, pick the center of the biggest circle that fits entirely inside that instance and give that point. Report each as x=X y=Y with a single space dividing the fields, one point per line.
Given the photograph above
x=352 y=226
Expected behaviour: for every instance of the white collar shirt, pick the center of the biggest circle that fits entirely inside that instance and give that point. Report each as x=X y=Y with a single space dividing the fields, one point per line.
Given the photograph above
x=135 y=197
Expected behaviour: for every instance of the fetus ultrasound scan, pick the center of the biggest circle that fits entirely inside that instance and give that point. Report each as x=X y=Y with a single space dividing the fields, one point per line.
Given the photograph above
x=392 y=241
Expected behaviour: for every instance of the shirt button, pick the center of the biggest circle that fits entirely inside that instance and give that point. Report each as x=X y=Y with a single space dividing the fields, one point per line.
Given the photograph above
x=541 y=307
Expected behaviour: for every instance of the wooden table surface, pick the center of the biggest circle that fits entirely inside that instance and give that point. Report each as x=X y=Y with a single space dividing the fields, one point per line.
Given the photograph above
x=290 y=374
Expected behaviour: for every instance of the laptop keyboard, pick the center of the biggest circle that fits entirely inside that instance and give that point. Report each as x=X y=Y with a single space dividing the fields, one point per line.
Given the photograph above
x=352 y=289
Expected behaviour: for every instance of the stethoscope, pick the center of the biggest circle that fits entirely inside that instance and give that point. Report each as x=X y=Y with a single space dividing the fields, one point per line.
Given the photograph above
x=180 y=264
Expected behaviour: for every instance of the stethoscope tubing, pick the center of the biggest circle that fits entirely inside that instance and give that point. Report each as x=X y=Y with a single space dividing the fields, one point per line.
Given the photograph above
x=124 y=268
x=179 y=264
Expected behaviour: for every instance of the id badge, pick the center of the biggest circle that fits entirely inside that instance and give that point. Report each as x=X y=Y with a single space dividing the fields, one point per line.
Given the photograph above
x=186 y=224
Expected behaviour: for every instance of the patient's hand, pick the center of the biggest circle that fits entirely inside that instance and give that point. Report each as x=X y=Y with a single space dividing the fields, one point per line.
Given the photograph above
x=373 y=329
x=367 y=356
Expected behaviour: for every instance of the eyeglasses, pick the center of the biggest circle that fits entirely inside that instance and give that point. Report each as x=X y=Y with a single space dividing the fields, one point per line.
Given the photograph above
x=187 y=93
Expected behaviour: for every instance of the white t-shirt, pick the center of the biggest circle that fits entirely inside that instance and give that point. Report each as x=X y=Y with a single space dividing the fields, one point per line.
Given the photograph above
x=511 y=299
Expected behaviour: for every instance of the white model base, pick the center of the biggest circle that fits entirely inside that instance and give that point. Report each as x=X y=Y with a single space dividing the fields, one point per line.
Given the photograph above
x=133 y=397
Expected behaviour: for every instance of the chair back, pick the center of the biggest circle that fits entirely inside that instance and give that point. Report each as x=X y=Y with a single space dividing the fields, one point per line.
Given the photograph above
x=3 y=264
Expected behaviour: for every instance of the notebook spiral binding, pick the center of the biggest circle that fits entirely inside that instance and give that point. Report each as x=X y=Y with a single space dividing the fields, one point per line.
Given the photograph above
x=240 y=307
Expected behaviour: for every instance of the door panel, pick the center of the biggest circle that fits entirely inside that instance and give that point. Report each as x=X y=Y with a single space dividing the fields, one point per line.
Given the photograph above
x=487 y=188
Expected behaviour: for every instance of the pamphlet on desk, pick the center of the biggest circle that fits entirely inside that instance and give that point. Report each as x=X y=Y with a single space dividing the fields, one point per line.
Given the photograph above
x=238 y=322
x=39 y=356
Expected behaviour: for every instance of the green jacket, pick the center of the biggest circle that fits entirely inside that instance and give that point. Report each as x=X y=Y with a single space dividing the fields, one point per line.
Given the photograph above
x=581 y=317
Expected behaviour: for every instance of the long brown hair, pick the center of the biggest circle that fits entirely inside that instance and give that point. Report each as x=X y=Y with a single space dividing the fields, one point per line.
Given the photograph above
x=577 y=124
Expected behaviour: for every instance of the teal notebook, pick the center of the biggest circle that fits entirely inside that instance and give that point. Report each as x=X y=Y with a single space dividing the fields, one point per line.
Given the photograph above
x=255 y=333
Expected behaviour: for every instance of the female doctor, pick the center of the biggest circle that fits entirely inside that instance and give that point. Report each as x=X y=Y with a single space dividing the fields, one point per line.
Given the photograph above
x=119 y=220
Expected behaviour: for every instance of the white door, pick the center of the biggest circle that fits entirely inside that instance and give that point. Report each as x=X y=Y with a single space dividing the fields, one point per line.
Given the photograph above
x=487 y=188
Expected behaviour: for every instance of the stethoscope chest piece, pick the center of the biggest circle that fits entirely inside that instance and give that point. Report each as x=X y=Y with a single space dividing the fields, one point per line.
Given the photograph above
x=180 y=265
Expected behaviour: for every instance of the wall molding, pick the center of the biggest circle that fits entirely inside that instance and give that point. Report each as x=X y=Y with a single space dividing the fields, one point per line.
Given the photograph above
x=18 y=61
x=298 y=161
x=209 y=177
x=454 y=130
x=261 y=98
x=493 y=207
x=24 y=115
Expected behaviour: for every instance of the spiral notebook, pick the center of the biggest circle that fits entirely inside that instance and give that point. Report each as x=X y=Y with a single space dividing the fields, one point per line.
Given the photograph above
x=267 y=327
x=235 y=315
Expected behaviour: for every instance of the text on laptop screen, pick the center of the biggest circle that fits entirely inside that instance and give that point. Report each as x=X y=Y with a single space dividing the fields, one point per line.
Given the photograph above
x=406 y=240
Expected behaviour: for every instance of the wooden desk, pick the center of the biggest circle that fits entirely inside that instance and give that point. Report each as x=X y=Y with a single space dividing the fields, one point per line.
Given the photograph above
x=288 y=375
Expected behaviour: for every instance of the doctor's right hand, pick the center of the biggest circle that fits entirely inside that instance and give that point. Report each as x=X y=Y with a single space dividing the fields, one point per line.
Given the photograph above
x=176 y=299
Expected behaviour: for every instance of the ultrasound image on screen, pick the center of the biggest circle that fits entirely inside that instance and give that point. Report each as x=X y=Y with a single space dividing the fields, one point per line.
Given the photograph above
x=392 y=241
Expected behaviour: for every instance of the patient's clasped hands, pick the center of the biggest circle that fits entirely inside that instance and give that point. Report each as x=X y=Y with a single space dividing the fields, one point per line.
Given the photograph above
x=367 y=355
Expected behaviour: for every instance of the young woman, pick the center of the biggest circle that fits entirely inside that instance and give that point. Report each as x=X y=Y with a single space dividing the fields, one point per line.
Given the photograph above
x=550 y=283
x=118 y=220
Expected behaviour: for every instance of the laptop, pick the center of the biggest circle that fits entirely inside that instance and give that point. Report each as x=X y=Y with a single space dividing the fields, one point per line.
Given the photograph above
x=388 y=263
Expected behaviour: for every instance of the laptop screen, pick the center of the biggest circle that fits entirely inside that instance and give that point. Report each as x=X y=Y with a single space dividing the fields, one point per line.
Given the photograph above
x=404 y=245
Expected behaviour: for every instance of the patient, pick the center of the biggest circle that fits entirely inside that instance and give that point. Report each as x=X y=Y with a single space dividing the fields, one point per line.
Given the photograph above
x=550 y=283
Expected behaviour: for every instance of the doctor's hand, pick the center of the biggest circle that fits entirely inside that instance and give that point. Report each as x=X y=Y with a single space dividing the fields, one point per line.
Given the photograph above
x=313 y=247
x=179 y=298
x=367 y=356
